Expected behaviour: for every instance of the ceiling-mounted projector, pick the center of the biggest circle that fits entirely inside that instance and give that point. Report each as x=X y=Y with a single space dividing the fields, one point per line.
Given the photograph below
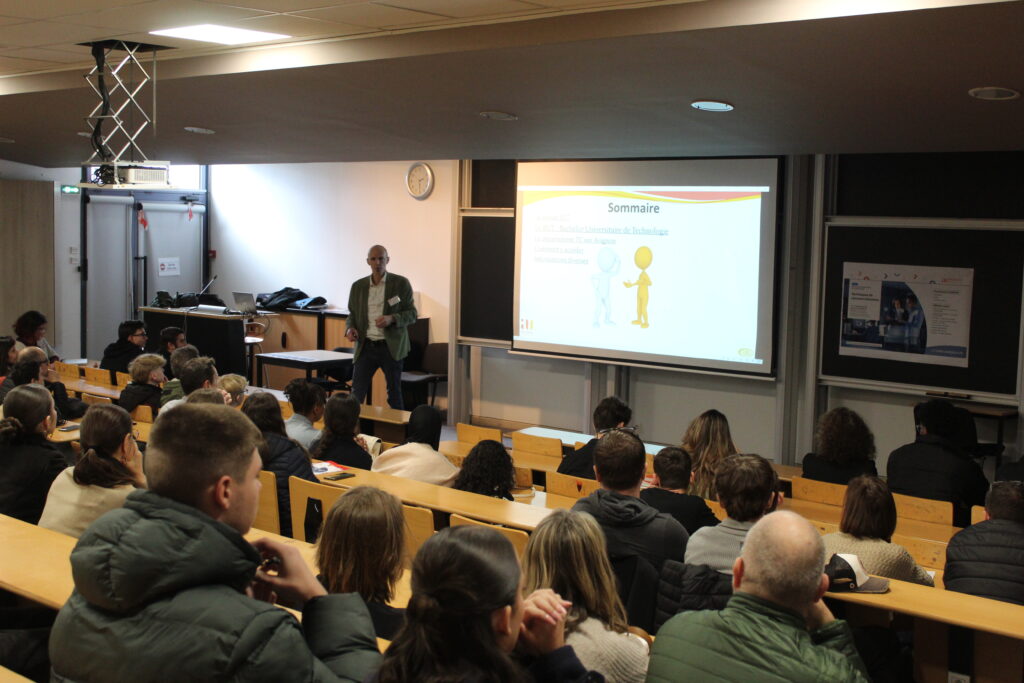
x=122 y=174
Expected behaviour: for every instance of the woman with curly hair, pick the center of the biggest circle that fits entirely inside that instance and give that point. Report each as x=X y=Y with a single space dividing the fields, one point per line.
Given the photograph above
x=487 y=470
x=844 y=448
x=709 y=440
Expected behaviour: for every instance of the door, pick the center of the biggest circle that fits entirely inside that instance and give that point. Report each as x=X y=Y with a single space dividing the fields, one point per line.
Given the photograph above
x=171 y=244
x=107 y=280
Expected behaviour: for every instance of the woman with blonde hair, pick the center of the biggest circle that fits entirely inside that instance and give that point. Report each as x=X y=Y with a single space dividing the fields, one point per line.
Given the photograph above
x=109 y=468
x=361 y=550
x=709 y=441
x=567 y=553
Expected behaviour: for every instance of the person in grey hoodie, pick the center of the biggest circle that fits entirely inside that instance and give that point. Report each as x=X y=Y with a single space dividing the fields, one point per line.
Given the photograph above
x=631 y=526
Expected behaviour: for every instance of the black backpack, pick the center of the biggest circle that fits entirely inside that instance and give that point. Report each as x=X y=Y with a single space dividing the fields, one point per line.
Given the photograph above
x=282 y=299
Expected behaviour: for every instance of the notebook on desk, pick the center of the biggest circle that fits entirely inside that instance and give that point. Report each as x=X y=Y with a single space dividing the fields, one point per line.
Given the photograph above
x=245 y=302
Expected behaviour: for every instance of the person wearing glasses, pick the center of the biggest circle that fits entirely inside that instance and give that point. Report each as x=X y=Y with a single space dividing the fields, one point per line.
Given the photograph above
x=109 y=468
x=131 y=343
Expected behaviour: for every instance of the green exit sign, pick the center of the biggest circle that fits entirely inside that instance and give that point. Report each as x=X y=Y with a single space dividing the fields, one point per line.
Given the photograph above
x=70 y=189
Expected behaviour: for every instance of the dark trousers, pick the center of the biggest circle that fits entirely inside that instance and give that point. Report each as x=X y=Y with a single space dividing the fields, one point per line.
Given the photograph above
x=373 y=355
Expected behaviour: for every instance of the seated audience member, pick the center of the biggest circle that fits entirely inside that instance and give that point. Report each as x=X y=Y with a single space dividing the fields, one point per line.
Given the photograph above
x=171 y=338
x=672 y=477
x=748 y=489
x=67 y=407
x=866 y=529
x=23 y=372
x=235 y=385
x=610 y=413
x=987 y=558
x=487 y=470
x=131 y=342
x=631 y=526
x=709 y=442
x=567 y=553
x=361 y=549
x=172 y=388
x=30 y=330
x=844 y=448
x=170 y=573
x=338 y=441
x=467 y=613
x=934 y=466
x=147 y=373
x=8 y=356
x=217 y=397
x=307 y=401
x=109 y=468
x=418 y=458
x=281 y=455
x=775 y=626
x=30 y=462
x=198 y=373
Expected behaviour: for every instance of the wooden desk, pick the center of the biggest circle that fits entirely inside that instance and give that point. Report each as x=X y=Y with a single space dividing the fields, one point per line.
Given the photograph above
x=456 y=451
x=80 y=386
x=569 y=439
x=141 y=430
x=444 y=499
x=308 y=361
x=905 y=527
x=36 y=562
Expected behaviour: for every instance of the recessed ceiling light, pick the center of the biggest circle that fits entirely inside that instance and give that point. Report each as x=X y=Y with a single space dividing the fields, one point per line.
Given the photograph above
x=199 y=131
x=993 y=93
x=711 y=105
x=498 y=116
x=225 y=35
x=6 y=141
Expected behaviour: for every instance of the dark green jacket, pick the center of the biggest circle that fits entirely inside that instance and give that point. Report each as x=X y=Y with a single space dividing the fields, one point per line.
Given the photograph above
x=404 y=310
x=753 y=640
x=159 y=596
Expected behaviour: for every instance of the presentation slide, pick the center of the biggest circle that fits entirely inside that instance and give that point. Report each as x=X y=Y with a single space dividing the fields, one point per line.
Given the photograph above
x=919 y=314
x=671 y=274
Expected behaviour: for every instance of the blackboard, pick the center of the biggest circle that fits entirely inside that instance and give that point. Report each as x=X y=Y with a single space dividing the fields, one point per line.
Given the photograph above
x=997 y=257
x=487 y=277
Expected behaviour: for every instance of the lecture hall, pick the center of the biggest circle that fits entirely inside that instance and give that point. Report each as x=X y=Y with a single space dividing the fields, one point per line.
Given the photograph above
x=390 y=340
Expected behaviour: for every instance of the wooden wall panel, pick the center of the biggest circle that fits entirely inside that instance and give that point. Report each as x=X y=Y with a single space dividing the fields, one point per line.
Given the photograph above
x=288 y=332
x=26 y=254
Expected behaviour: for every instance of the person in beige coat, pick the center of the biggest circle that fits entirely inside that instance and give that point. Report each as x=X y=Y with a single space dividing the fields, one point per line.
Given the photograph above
x=866 y=528
x=109 y=468
x=418 y=458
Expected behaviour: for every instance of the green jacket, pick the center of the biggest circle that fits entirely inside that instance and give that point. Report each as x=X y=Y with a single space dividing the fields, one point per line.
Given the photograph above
x=172 y=390
x=160 y=595
x=404 y=310
x=753 y=640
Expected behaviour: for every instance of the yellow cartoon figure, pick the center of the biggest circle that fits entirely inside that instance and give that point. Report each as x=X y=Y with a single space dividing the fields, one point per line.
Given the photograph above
x=642 y=258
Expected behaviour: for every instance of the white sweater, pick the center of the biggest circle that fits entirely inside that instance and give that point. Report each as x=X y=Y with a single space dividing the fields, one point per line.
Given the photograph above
x=71 y=507
x=416 y=461
x=620 y=657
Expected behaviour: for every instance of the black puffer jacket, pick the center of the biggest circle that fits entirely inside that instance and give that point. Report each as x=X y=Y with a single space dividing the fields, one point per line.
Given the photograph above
x=689 y=588
x=987 y=559
x=29 y=466
x=285 y=458
x=160 y=596
x=118 y=355
x=935 y=468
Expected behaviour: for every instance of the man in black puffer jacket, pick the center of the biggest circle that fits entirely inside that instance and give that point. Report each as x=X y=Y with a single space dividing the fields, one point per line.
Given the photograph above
x=936 y=466
x=163 y=585
x=987 y=559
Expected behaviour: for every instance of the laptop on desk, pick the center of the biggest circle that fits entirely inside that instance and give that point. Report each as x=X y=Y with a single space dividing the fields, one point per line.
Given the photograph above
x=245 y=302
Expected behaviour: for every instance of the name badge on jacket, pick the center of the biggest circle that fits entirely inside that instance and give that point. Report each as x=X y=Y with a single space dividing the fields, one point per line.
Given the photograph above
x=394 y=301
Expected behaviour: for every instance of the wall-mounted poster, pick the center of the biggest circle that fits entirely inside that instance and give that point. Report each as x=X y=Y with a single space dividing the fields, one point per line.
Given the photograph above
x=919 y=314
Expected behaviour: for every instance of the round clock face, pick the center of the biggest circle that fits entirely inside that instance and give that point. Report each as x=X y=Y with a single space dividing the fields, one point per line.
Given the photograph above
x=419 y=180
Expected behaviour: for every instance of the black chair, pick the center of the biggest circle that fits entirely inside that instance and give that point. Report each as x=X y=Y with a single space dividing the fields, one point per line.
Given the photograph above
x=435 y=369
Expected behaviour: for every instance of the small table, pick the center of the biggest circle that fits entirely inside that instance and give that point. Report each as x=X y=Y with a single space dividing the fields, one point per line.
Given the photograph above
x=303 y=360
x=569 y=439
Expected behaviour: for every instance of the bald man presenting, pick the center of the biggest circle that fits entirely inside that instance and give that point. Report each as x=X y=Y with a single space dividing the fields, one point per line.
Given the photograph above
x=380 y=308
x=775 y=627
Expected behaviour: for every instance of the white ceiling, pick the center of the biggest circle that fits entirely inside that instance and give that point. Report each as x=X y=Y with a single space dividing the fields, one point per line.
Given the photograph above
x=406 y=79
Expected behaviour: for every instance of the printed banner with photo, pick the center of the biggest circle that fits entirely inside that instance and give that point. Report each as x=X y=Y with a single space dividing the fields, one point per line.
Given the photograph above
x=920 y=314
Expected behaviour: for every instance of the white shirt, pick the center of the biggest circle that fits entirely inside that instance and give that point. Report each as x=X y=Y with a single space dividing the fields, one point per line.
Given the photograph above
x=375 y=308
